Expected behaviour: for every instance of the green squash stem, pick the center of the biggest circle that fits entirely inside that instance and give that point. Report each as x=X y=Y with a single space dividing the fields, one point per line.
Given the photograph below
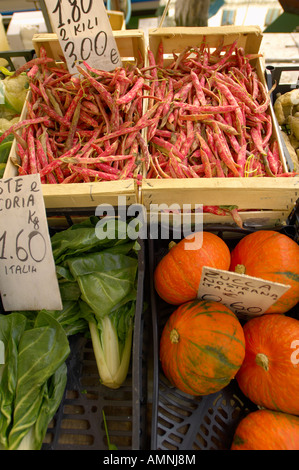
x=174 y=336
x=262 y=360
x=240 y=269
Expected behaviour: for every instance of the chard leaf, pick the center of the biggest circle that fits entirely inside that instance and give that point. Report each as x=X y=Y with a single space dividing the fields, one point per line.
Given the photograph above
x=105 y=280
x=52 y=399
x=11 y=329
x=4 y=150
x=70 y=318
x=82 y=238
x=69 y=291
x=33 y=356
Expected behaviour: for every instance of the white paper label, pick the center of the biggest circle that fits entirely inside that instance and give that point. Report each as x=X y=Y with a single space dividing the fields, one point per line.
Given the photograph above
x=246 y=296
x=28 y=278
x=84 y=32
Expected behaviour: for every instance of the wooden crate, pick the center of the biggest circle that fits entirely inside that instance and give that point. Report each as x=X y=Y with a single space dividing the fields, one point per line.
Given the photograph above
x=117 y=20
x=268 y=200
x=131 y=46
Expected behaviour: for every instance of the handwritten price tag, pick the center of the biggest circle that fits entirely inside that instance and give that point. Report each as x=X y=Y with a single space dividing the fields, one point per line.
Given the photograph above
x=84 y=32
x=28 y=278
x=247 y=296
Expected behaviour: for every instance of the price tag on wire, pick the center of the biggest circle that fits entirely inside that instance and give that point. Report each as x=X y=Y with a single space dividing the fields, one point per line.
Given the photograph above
x=28 y=278
x=84 y=32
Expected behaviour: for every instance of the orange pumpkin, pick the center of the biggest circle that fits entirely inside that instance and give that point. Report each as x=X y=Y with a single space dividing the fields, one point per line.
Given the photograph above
x=272 y=256
x=269 y=375
x=201 y=347
x=267 y=430
x=177 y=276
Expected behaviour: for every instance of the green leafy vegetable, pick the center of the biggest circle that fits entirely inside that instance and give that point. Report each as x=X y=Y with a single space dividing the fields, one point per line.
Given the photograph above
x=98 y=285
x=33 y=378
x=5 y=147
x=69 y=317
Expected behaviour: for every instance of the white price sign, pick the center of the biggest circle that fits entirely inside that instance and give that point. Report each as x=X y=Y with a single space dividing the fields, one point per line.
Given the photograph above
x=28 y=278
x=246 y=296
x=84 y=32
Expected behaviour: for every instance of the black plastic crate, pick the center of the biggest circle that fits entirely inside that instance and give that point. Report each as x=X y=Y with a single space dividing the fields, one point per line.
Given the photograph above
x=180 y=421
x=275 y=73
x=79 y=421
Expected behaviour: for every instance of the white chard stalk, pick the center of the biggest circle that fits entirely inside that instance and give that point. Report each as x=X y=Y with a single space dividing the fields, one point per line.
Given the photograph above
x=112 y=367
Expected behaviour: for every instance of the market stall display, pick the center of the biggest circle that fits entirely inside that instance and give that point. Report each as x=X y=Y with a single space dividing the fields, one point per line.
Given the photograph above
x=149 y=182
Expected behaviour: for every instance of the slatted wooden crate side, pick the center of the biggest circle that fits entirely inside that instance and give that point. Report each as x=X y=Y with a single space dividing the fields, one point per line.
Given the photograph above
x=178 y=38
x=130 y=44
x=132 y=48
x=247 y=193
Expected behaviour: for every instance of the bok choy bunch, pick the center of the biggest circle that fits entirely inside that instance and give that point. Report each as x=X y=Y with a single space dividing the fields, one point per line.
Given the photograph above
x=101 y=275
x=32 y=377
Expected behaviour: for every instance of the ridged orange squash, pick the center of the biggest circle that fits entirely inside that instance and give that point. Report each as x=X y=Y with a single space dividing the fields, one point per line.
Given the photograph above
x=177 y=276
x=202 y=347
x=272 y=256
x=267 y=430
x=269 y=375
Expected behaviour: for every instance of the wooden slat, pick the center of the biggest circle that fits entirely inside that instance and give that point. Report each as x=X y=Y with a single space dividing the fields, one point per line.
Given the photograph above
x=130 y=44
x=176 y=39
x=88 y=194
x=246 y=193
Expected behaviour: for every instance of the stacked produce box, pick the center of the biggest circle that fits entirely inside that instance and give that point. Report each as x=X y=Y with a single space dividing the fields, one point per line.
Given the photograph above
x=187 y=121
